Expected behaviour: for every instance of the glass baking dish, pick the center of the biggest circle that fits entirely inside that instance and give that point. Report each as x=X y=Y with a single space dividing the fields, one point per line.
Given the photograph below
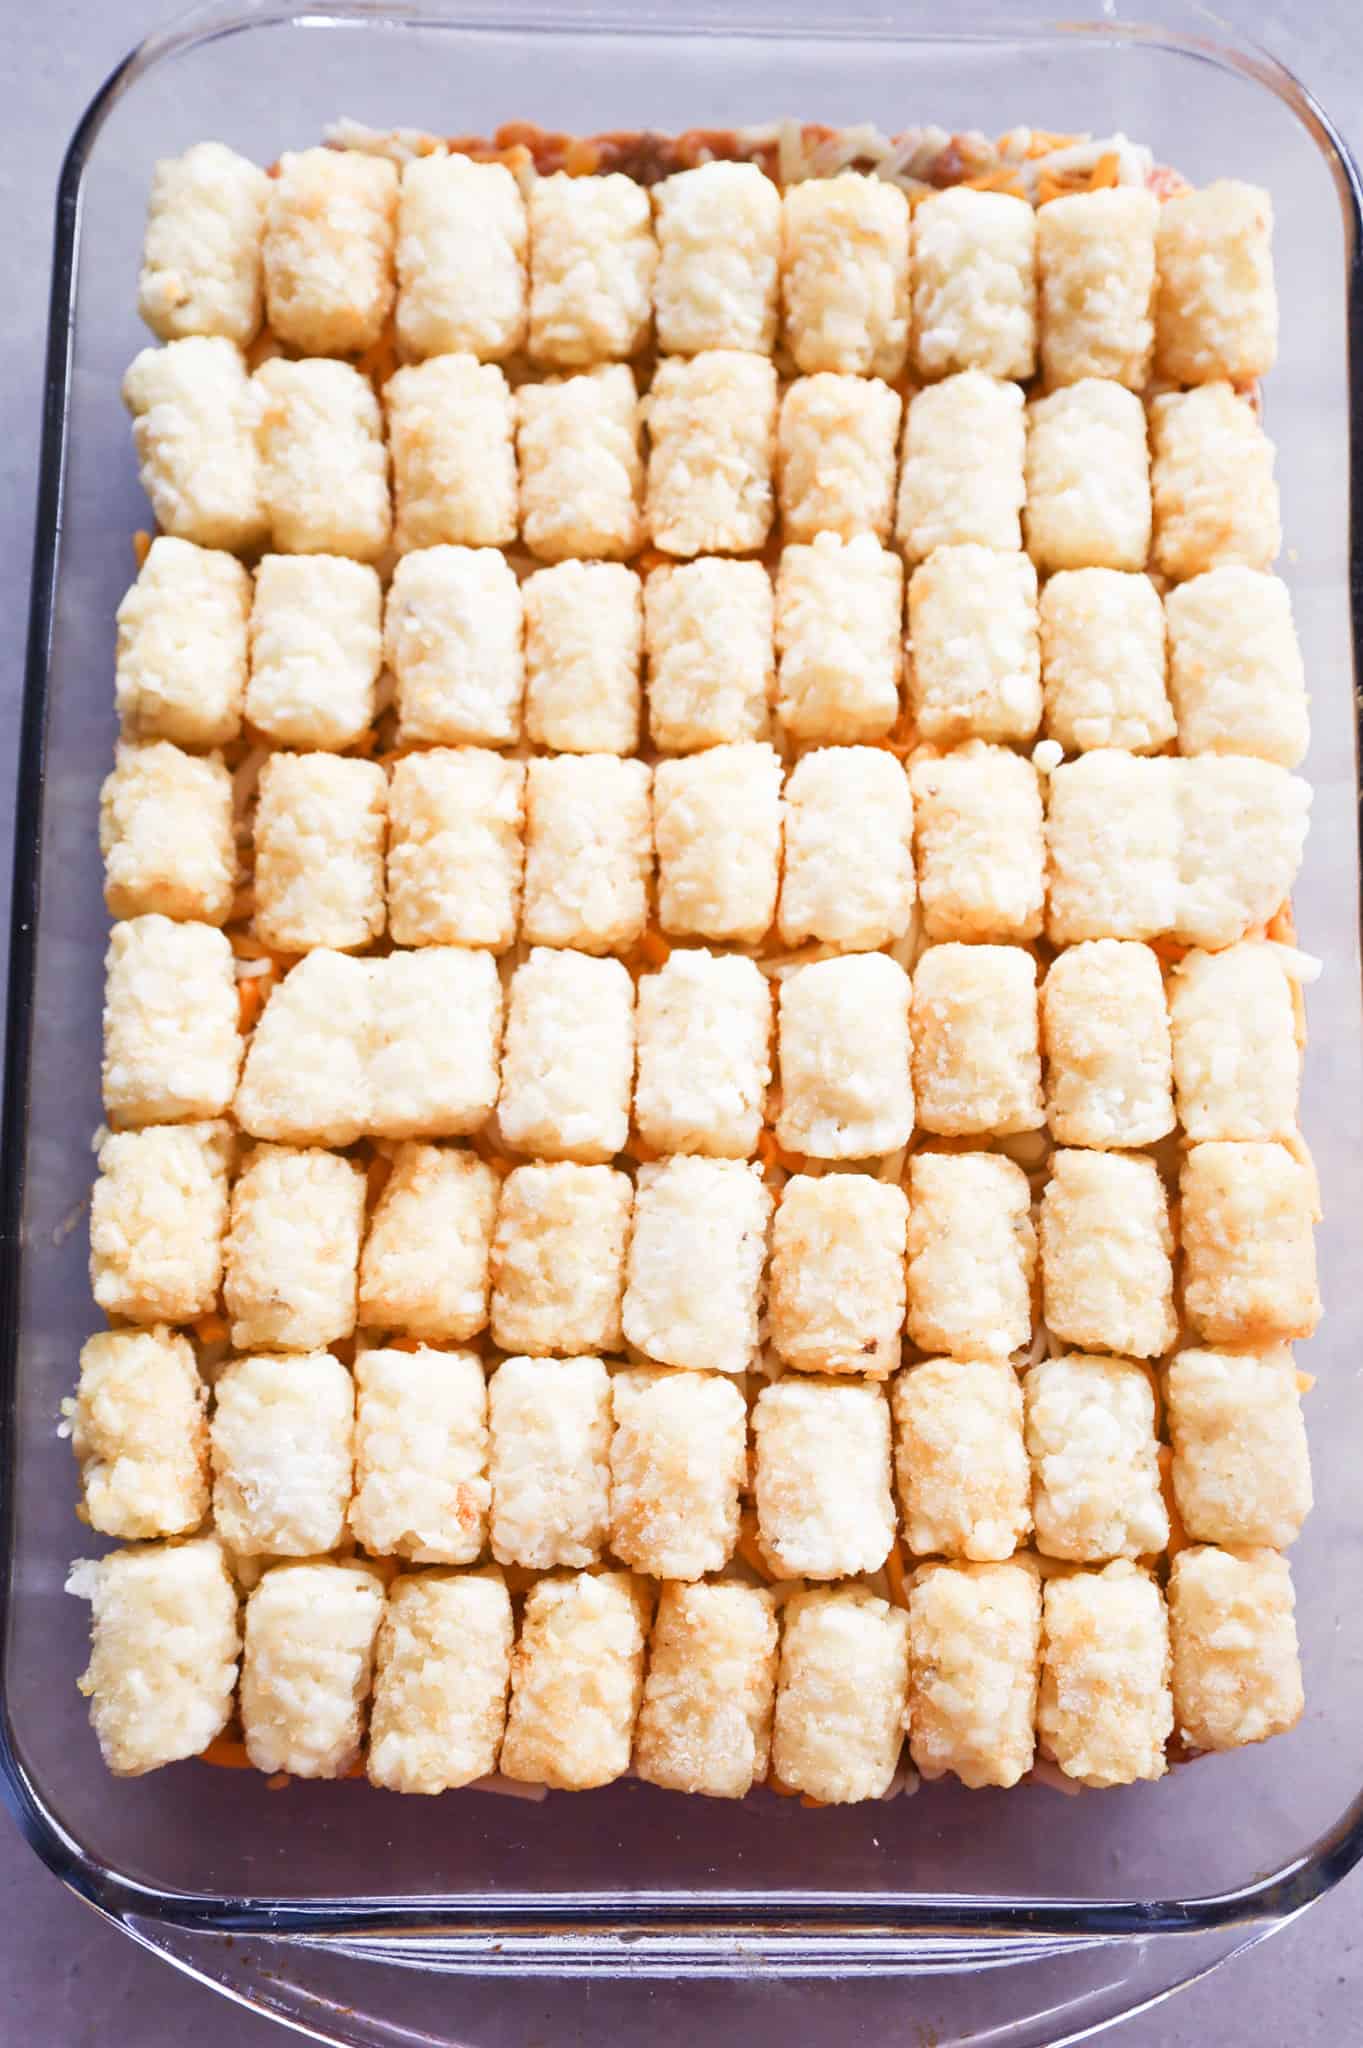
x=1030 y=1916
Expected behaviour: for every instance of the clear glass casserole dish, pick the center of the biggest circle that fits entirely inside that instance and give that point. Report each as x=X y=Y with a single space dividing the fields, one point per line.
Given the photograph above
x=1037 y=1917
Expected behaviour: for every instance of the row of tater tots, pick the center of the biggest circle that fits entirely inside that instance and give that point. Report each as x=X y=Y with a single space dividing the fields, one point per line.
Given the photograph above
x=415 y=1455
x=582 y=270
x=294 y=456
x=565 y=659
x=719 y=1687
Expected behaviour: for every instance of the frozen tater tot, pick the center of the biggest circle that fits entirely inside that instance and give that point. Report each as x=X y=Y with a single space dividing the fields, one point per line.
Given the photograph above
x=717 y=829
x=705 y=1722
x=293 y=1249
x=1241 y=1472
x=171 y=1046
x=201 y=250
x=432 y=1064
x=678 y=1458
x=194 y=413
x=461 y=257
x=324 y=469
x=316 y=649
x=320 y=825
x=330 y=229
x=961 y=1467
x=1235 y=669
x=837 y=1274
x=822 y=1477
x=697 y=1216
x=168 y=1608
x=592 y=264
x=455 y=819
x=584 y=634
x=972 y=1254
x=140 y=1434
x=421 y=1450
x=712 y=436
x=568 y=1068
x=1215 y=499
x=976 y=1042
x=974 y=1651
x=1112 y=842
x=450 y=436
x=974 y=284
x=581 y=467
x=1236 y=1044
x=1088 y=478
x=1242 y=829
x=1104 y=1712
x=981 y=857
x=1236 y=1671
x=838 y=638
x=442 y=1670
x=588 y=852
x=1102 y=662
x=1107 y=1249
x=841 y=1693
x=1096 y=265
x=1217 y=310
x=710 y=635
x=305 y=1080
x=157 y=1217
x=426 y=1257
x=577 y=1675
x=308 y=1666
x=282 y=1438
x=843 y=1034
x=704 y=1054
x=167 y=834
x=452 y=637
x=835 y=456
x=550 y=1426
x=848 y=878
x=719 y=240
x=1105 y=1035
x=1249 y=1272
x=558 y=1258
x=1095 y=1460
x=845 y=274
x=974 y=667
x=181 y=664
x=961 y=476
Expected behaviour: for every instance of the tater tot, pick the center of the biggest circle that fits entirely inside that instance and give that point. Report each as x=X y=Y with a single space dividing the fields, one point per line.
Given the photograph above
x=170 y=1608
x=972 y=1254
x=719 y=236
x=452 y=638
x=974 y=1649
x=442 y=1669
x=835 y=457
x=837 y=1274
x=1236 y=1044
x=848 y=879
x=1105 y=1035
x=1088 y=478
x=308 y=1666
x=425 y=1265
x=293 y=1249
x=1217 y=310
x=140 y=1434
x=981 y=857
x=577 y=1675
x=450 y=437
x=838 y=640
x=549 y=1461
x=717 y=829
x=320 y=826
x=171 y=1046
x=712 y=436
x=166 y=831
x=461 y=259
x=583 y=647
x=180 y=670
x=1215 y=499
x=316 y=650
x=1102 y=661
x=324 y=469
x=974 y=284
x=588 y=852
x=581 y=469
x=194 y=427
x=839 y=1720
x=705 y=1721
x=281 y=1437
x=1249 y=1274
x=568 y=1067
x=1241 y=1472
x=704 y=1054
x=695 y=1216
x=157 y=1217
x=961 y=477
x=1096 y=265
x=558 y=1258
x=843 y=1033
x=822 y=1477
x=974 y=666
x=201 y=250
x=592 y=264
x=960 y=1463
x=1236 y=1673
x=455 y=855
x=1105 y=1713
x=845 y=274
x=1095 y=1471
x=421 y=1449
x=709 y=632
x=1107 y=1249
x=1235 y=670
x=330 y=228
x=976 y=1041
x=678 y=1458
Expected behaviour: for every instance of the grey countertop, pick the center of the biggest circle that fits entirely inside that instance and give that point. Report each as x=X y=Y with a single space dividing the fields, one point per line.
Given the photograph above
x=69 y=1979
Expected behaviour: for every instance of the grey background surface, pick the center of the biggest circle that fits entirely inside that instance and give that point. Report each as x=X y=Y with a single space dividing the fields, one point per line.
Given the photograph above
x=66 y=1979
